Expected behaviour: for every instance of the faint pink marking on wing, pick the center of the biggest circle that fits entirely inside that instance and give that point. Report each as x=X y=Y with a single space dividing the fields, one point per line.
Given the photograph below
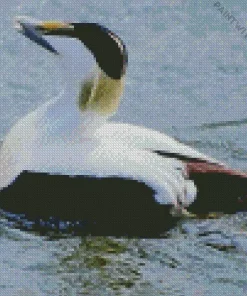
x=208 y=168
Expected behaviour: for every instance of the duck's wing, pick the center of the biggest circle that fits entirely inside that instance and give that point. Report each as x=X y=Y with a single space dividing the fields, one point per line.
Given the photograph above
x=219 y=188
x=145 y=138
x=112 y=158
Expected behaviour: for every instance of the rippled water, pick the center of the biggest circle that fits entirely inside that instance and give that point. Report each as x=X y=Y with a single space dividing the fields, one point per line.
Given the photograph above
x=186 y=77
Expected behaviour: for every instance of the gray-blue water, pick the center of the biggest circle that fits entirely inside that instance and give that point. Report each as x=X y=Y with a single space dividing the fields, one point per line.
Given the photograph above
x=186 y=77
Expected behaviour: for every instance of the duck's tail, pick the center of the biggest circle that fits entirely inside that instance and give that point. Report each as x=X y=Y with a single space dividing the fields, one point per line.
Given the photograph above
x=220 y=189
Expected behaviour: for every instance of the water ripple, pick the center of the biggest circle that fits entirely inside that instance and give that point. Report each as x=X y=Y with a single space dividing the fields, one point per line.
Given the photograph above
x=219 y=124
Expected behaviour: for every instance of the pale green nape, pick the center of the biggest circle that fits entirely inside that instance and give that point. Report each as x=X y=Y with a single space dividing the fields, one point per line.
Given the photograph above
x=101 y=94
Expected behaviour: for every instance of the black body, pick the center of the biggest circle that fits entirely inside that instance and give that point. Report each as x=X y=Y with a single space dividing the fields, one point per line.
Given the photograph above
x=105 y=206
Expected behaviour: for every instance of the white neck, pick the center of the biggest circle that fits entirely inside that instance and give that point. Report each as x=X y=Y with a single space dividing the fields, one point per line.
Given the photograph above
x=86 y=86
x=75 y=63
x=80 y=110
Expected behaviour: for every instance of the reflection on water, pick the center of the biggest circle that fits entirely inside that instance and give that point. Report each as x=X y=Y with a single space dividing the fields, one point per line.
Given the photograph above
x=196 y=256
